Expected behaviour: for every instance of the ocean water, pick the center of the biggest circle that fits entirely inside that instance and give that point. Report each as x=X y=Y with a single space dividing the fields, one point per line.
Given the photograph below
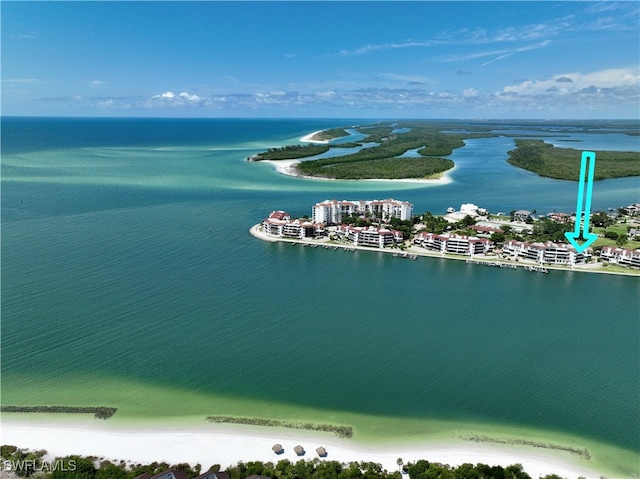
x=129 y=279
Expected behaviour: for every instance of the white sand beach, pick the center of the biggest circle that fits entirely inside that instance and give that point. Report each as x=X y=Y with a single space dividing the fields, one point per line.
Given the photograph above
x=228 y=444
x=309 y=138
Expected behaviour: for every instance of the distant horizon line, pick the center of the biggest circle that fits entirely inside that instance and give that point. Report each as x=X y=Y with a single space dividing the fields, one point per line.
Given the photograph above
x=84 y=117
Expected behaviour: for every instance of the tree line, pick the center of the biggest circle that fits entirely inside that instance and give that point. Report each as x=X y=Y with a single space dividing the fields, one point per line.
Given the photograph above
x=89 y=468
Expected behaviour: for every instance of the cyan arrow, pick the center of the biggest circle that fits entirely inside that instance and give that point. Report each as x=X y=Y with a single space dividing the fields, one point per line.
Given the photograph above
x=590 y=158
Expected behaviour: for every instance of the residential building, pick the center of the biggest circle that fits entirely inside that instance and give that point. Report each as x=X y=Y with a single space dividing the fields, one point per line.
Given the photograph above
x=633 y=209
x=370 y=236
x=332 y=211
x=549 y=252
x=280 y=215
x=454 y=244
x=469 y=209
x=213 y=475
x=560 y=217
x=625 y=257
x=168 y=474
x=485 y=231
x=288 y=228
x=521 y=215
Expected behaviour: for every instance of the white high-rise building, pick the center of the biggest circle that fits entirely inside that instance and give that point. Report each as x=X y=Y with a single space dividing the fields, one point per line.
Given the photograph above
x=332 y=211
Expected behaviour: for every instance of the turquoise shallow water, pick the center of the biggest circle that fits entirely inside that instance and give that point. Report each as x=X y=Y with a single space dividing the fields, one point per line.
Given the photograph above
x=114 y=291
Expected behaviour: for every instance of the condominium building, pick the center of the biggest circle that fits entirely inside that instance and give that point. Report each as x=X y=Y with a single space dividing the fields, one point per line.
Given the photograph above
x=370 y=236
x=454 y=244
x=625 y=257
x=332 y=211
x=280 y=224
x=549 y=252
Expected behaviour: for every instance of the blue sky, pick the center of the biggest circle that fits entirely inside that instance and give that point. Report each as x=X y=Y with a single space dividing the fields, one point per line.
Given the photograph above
x=539 y=59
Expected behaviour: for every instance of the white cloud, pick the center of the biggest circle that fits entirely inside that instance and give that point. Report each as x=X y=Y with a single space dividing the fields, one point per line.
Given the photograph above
x=409 y=79
x=518 y=50
x=112 y=104
x=601 y=93
x=499 y=54
x=388 y=46
x=19 y=81
x=172 y=100
x=565 y=83
x=97 y=83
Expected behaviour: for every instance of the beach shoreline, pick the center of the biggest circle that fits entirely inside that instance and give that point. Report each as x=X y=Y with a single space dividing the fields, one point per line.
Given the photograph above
x=309 y=138
x=227 y=445
x=256 y=231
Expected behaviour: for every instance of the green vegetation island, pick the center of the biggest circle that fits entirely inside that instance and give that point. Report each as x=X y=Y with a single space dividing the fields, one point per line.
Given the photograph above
x=29 y=463
x=548 y=160
x=416 y=150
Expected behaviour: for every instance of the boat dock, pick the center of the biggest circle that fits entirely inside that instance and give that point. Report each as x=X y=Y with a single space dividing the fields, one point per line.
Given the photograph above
x=501 y=264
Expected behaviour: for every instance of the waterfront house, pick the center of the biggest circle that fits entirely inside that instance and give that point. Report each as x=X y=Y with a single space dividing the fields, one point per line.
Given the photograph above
x=633 y=210
x=521 y=215
x=332 y=211
x=453 y=243
x=633 y=233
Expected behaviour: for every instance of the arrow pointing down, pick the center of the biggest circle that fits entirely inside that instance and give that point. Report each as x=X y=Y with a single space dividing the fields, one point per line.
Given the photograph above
x=581 y=229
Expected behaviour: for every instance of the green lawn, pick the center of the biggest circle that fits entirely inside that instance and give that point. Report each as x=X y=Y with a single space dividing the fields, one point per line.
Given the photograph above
x=610 y=242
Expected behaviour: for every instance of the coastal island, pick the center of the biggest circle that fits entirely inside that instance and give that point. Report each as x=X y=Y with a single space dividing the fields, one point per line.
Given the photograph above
x=548 y=160
x=472 y=234
x=411 y=150
x=417 y=150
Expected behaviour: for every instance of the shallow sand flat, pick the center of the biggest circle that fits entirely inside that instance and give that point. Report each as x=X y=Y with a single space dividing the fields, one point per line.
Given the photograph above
x=228 y=444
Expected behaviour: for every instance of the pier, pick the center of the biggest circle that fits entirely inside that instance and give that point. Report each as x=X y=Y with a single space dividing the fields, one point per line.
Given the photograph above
x=536 y=269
